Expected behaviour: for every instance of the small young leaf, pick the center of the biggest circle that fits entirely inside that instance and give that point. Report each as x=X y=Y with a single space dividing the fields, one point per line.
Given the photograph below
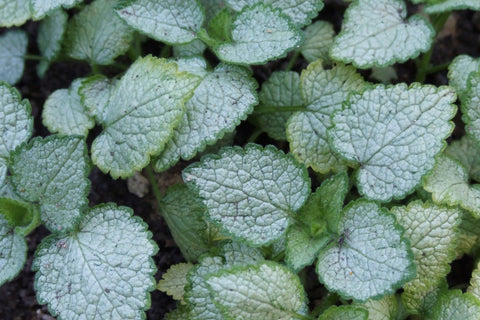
x=371 y=258
x=375 y=33
x=53 y=172
x=474 y=287
x=351 y=312
x=95 y=93
x=471 y=107
x=282 y=89
x=318 y=41
x=454 y=305
x=300 y=11
x=451 y=5
x=191 y=49
x=97 y=34
x=458 y=72
x=14 y=12
x=49 y=39
x=259 y=33
x=13 y=251
x=40 y=8
x=103 y=270
x=432 y=231
x=383 y=309
x=468 y=234
x=13 y=46
x=323 y=92
x=301 y=247
x=266 y=291
x=448 y=183
x=224 y=98
x=393 y=133
x=172 y=21
x=140 y=116
x=64 y=113
x=220 y=26
x=467 y=152
x=23 y=216
x=174 y=280
x=251 y=192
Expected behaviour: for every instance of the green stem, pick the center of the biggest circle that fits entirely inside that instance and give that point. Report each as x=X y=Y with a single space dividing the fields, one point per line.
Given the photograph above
x=440 y=67
x=270 y=109
x=135 y=49
x=329 y=300
x=166 y=51
x=292 y=61
x=155 y=188
x=95 y=69
x=255 y=135
x=33 y=57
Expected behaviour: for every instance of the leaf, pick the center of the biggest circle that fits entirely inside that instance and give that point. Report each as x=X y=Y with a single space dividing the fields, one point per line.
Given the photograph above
x=350 y=312
x=375 y=33
x=102 y=270
x=185 y=214
x=384 y=75
x=252 y=192
x=193 y=48
x=16 y=122
x=95 y=93
x=97 y=34
x=24 y=217
x=454 y=305
x=383 y=309
x=458 y=72
x=266 y=291
x=13 y=46
x=318 y=41
x=302 y=247
x=140 y=116
x=323 y=92
x=64 y=113
x=53 y=172
x=467 y=152
x=14 y=12
x=432 y=230
x=172 y=21
x=448 y=183
x=219 y=27
x=174 y=280
x=474 y=287
x=259 y=34
x=281 y=90
x=49 y=39
x=224 y=98
x=370 y=259
x=451 y=5
x=393 y=133
x=41 y=8
x=13 y=251
x=197 y=295
x=300 y=11
x=471 y=107
x=468 y=234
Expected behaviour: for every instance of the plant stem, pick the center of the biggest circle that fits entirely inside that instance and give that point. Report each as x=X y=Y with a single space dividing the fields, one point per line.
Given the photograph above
x=95 y=69
x=33 y=57
x=166 y=51
x=155 y=188
x=329 y=300
x=255 y=135
x=292 y=61
x=270 y=109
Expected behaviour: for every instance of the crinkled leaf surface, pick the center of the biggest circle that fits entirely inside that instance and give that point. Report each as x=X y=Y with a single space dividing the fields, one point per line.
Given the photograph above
x=318 y=41
x=170 y=21
x=467 y=152
x=266 y=291
x=454 y=305
x=301 y=247
x=468 y=234
x=174 y=280
x=351 y=312
x=95 y=93
x=450 y=5
x=103 y=270
x=53 y=173
x=323 y=92
x=448 y=183
x=375 y=33
x=14 y=12
x=13 y=46
x=432 y=232
x=300 y=11
x=260 y=33
x=64 y=113
x=13 y=251
x=371 y=258
x=383 y=309
x=252 y=192
x=49 y=39
x=224 y=98
x=97 y=34
x=140 y=116
x=393 y=133
x=197 y=292
x=471 y=107
x=459 y=70
x=40 y=8
x=16 y=122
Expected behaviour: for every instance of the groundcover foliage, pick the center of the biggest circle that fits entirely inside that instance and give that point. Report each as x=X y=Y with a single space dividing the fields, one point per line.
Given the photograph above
x=357 y=184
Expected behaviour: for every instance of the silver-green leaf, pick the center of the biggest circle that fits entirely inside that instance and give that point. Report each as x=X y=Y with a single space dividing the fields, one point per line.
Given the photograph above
x=14 y=12
x=41 y=8
x=13 y=46
x=13 y=251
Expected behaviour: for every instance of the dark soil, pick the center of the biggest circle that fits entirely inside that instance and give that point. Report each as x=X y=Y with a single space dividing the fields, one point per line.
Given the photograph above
x=461 y=36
